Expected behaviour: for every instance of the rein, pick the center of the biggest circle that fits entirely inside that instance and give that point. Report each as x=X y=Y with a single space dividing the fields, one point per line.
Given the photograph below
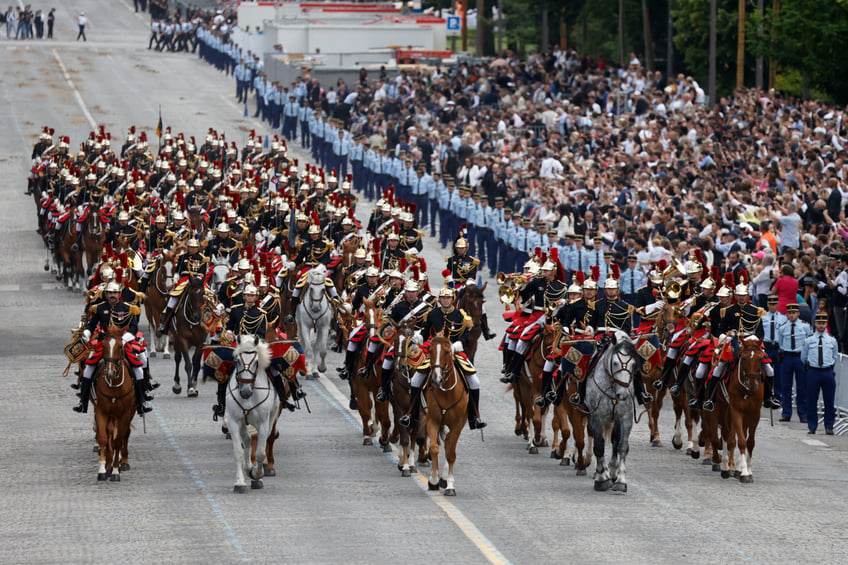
x=252 y=368
x=450 y=370
x=191 y=321
x=322 y=298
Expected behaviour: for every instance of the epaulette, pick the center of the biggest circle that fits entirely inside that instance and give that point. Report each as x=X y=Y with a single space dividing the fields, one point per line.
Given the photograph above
x=761 y=312
x=590 y=304
x=205 y=259
x=328 y=283
x=467 y=322
x=475 y=261
x=92 y=310
x=135 y=310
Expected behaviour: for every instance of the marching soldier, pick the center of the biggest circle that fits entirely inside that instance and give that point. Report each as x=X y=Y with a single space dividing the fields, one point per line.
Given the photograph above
x=455 y=323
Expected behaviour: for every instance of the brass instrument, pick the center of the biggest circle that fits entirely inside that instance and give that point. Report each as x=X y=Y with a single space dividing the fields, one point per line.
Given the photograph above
x=508 y=284
x=675 y=269
x=506 y=294
x=673 y=290
x=552 y=307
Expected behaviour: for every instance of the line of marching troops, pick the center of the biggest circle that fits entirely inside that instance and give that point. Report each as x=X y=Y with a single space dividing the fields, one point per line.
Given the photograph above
x=266 y=215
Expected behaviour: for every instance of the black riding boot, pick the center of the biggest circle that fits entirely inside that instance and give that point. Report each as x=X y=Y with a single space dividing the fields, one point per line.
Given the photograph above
x=151 y=383
x=143 y=284
x=579 y=397
x=84 y=393
x=277 y=381
x=682 y=373
x=474 y=420
x=218 y=409
x=370 y=359
x=385 y=391
x=410 y=419
x=547 y=395
x=668 y=368
x=141 y=406
x=166 y=320
x=484 y=324
x=769 y=401
x=708 y=393
x=507 y=357
x=349 y=364
x=514 y=369
x=642 y=397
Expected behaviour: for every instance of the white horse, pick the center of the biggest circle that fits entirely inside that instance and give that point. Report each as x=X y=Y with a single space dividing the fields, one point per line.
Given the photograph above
x=314 y=313
x=220 y=272
x=251 y=400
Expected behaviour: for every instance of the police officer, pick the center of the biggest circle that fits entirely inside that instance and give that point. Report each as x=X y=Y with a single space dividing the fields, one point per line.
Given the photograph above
x=819 y=355
x=791 y=336
x=772 y=322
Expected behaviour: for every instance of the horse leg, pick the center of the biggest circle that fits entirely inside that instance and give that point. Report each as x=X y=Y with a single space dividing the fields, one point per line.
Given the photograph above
x=166 y=339
x=677 y=438
x=738 y=429
x=615 y=440
x=363 y=406
x=601 y=478
x=195 y=369
x=321 y=346
x=258 y=469
x=178 y=357
x=125 y=455
x=101 y=439
x=518 y=418
x=382 y=410
x=581 y=449
x=622 y=447
x=433 y=436
x=117 y=448
x=450 y=456
x=239 y=441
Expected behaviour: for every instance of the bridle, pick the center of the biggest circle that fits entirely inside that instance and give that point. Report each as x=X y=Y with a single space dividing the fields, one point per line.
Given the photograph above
x=251 y=367
x=188 y=309
x=744 y=378
x=318 y=306
x=624 y=361
x=168 y=277
x=441 y=372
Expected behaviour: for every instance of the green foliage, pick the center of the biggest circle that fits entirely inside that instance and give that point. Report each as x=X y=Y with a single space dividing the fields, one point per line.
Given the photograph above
x=692 y=40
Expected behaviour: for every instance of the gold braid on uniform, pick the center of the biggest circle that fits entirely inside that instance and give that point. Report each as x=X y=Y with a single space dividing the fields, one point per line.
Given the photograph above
x=618 y=318
x=748 y=321
x=247 y=326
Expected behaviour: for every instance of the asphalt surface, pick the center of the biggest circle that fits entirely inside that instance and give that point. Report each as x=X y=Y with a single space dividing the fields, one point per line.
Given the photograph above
x=334 y=500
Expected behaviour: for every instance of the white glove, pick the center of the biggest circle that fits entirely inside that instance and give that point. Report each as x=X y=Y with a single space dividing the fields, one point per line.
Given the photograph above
x=722 y=337
x=456 y=347
x=290 y=265
x=86 y=335
x=417 y=337
x=219 y=309
x=651 y=308
x=127 y=337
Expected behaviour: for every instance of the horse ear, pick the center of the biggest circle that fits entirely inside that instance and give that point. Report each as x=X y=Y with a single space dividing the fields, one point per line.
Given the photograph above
x=255 y=340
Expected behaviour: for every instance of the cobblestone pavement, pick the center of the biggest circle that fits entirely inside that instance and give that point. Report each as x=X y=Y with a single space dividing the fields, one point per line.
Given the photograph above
x=334 y=500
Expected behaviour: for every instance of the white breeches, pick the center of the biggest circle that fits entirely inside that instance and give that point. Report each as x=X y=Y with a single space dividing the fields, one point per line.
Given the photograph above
x=172 y=301
x=549 y=366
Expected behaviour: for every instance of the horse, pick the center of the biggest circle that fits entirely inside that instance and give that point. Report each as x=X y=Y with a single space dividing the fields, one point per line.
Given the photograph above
x=401 y=401
x=157 y=297
x=447 y=412
x=93 y=237
x=531 y=388
x=187 y=331
x=68 y=260
x=220 y=272
x=564 y=414
x=741 y=398
x=251 y=400
x=364 y=389
x=114 y=407
x=666 y=325
x=314 y=313
x=609 y=397
x=471 y=301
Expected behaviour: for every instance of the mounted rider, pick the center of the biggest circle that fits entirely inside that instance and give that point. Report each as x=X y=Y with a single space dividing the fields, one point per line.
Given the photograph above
x=456 y=325
x=159 y=238
x=115 y=313
x=191 y=264
x=529 y=310
x=314 y=252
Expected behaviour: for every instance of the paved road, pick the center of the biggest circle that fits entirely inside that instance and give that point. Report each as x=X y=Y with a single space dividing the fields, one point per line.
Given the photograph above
x=335 y=500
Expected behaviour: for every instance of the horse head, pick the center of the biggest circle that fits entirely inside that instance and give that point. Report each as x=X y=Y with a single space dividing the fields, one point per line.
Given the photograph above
x=667 y=320
x=167 y=269
x=472 y=300
x=251 y=356
x=113 y=356
x=372 y=316
x=624 y=362
x=93 y=224
x=220 y=271
x=750 y=363
x=441 y=359
x=317 y=275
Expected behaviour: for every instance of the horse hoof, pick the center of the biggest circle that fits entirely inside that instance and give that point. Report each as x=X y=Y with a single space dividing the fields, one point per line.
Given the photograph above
x=706 y=461
x=544 y=443
x=518 y=432
x=270 y=472
x=228 y=436
x=321 y=369
x=405 y=473
x=101 y=476
x=443 y=483
x=124 y=467
x=95 y=449
x=533 y=450
x=166 y=356
x=700 y=443
x=746 y=479
x=619 y=487
x=676 y=443
x=555 y=455
x=353 y=404
x=367 y=441
x=240 y=489
x=450 y=492
x=152 y=355
x=413 y=469
x=431 y=486
x=115 y=478
x=735 y=474
x=581 y=472
x=656 y=443
x=192 y=392
x=715 y=466
x=695 y=454
x=256 y=485
x=387 y=448
x=725 y=474
x=177 y=389
x=603 y=486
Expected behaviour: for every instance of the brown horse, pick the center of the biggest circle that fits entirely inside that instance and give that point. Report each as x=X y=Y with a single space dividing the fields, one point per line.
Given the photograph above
x=161 y=283
x=447 y=413
x=541 y=348
x=666 y=322
x=742 y=394
x=471 y=301
x=365 y=388
x=187 y=331
x=401 y=400
x=93 y=237
x=114 y=407
x=67 y=258
x=566 y=413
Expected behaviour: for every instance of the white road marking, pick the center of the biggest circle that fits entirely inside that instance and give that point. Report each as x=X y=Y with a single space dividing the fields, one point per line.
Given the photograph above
x=815 y=443
x=77 y=94
x=10 y=287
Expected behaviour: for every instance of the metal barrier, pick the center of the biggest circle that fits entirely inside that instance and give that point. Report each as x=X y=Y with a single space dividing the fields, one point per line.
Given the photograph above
x=841 y=369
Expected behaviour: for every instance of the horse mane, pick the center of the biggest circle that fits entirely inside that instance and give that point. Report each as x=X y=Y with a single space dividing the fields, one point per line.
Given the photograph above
x=248 y=344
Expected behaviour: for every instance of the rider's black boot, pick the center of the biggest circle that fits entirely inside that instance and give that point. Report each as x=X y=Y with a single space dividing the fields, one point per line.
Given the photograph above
x=166 y=320
x=385 y=391
x=141 y=406
x=410 y=419
x=682 y=373
x=370 y=359
x=218 y=409
x=547 y=394
x=84 y=393
x=642 y=397
x=514 y=369
x=349 y=364
x=484 y=325
x=474 y=420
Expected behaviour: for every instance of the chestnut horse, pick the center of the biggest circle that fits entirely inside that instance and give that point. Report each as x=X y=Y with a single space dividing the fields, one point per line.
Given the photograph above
x=187 y=331
x=364 y=389
x=93 y=237
x=564 y=414
x=114 y=407
x=447 y=413
x=401 y=400
x=162 y=281
x=741 y=399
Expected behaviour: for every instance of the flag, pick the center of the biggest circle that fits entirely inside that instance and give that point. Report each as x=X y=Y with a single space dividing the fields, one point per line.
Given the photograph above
x=159 y=125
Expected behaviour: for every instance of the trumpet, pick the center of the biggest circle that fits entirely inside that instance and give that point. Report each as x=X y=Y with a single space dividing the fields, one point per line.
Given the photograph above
x=513 y=279
x=673 y=290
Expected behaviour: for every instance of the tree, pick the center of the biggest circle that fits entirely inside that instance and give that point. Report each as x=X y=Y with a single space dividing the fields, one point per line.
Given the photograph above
x=691 y=38
x=806 y=36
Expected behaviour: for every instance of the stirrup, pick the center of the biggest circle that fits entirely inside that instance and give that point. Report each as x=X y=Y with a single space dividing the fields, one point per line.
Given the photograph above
x=674 y=391
x=382 y=395
x=658 y=385
x=344 y=374
x=364 y=372
x=297 y=393
x=541 y=401
x=405 y=421
x=646 y=398
x=217 y=410
x=144 y=409
x=508 y=378
x=708 y=406
x=75 y=247
x=289 y=319
x=550 y=396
